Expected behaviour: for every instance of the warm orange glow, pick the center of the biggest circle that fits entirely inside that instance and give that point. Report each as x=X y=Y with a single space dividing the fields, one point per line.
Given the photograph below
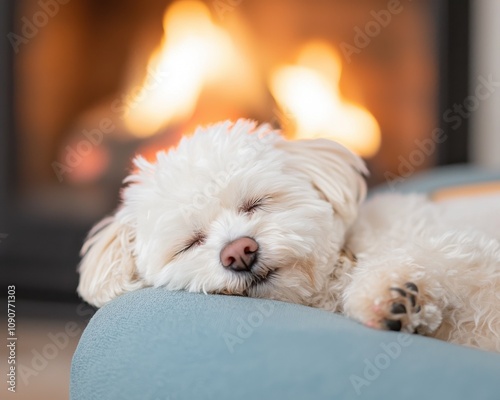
x=309 y=91
x=91 y=166
x=194 y=52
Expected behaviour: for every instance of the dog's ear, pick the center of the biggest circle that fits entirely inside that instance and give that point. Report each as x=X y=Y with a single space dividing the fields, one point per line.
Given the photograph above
x=333 y=170
x=108 y=266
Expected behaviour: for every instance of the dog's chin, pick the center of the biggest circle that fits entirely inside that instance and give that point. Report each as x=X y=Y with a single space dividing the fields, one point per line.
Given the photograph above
x=271 y=283
x=260 y=281
x=289 y=279
x=251 y=283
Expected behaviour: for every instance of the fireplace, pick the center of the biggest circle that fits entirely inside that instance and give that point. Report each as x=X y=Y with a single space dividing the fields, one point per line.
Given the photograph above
x=88 y=84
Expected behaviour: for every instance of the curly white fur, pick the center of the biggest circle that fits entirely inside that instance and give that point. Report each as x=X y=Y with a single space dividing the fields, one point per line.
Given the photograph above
x=408 y=251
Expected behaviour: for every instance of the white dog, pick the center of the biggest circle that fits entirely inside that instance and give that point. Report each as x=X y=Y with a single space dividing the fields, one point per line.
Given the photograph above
x=237 y=209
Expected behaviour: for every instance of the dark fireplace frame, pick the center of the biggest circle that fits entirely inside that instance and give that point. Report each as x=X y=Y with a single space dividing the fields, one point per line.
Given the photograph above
x=454 y=76
x=40 y=256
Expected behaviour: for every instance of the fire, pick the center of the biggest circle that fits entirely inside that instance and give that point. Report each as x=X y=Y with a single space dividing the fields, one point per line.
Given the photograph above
x=309 y=91
x=194 y=53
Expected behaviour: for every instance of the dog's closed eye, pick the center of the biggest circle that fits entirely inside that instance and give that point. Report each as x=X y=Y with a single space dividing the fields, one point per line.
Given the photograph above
x=253 y=205
x=197 y=240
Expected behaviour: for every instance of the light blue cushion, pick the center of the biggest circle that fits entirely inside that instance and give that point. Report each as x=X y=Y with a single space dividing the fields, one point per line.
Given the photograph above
x=440 y=178
x=154 y=344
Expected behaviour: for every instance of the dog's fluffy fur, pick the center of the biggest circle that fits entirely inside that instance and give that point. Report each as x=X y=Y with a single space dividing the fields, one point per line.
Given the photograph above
x=397 y=262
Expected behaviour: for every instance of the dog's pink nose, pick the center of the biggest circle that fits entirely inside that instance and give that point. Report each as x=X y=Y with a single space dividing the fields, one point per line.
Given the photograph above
x=240 y=254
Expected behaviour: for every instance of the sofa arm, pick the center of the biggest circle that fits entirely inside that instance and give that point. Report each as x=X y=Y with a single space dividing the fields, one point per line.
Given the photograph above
x=155 y=344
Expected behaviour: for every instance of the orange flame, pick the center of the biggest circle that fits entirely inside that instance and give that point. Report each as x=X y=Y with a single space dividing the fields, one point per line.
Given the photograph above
x=194 y=52
x=309 y=91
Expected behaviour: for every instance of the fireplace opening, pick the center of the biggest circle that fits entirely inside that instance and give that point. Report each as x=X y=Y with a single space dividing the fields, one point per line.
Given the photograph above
x=94 y=83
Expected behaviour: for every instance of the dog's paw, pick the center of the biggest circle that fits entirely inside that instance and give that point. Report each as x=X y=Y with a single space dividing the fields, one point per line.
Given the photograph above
x=398 y=311
x=400 y=307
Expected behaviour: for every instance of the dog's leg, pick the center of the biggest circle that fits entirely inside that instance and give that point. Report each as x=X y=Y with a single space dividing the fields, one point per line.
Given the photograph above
x=389 y=294
x=445 y=286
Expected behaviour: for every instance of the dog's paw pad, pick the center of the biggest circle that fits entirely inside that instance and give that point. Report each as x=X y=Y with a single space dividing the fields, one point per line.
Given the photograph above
x=393 y=325
x=411 y=286
x=397 y=310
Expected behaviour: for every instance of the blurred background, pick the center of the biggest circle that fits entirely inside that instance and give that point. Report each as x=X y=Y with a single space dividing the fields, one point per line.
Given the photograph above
x=87 y=84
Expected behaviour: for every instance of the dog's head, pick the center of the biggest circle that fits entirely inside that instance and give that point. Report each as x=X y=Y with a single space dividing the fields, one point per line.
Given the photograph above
x=234 y=209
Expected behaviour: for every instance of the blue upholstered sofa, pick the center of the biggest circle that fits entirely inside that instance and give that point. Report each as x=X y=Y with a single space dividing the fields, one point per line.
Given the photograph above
x=157 y=345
